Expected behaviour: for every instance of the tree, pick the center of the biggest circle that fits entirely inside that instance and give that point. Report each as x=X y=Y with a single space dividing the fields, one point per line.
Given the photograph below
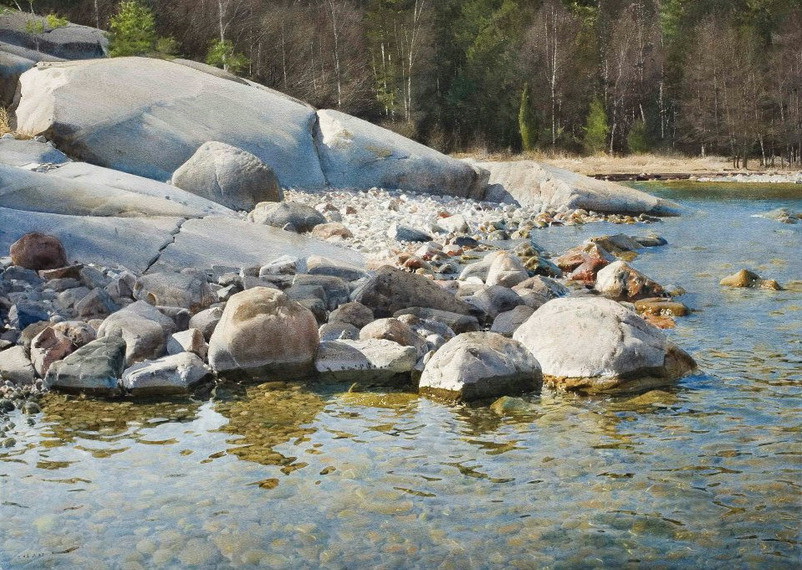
x=527 y=122
x=133 y=30
x=596 y=128
x=222 y=54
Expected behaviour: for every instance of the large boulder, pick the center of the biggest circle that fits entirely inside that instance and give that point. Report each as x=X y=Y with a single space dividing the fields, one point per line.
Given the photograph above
x=229 y=176
x=94 y=368
x=263 y=329
x=480 y=365
x=145 y=338
x=594 y=344
x=358 y=154
x=293 y=216
x=550 y=188
x=68 y=41
x=149 y=116
x=391 y=290
x=16 y=366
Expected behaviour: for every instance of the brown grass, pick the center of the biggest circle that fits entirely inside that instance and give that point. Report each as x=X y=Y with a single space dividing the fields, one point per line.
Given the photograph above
x=603 y=164
x=5 y=122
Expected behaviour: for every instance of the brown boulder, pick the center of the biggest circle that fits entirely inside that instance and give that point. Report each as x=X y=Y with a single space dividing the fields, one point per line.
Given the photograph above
x=38 y=251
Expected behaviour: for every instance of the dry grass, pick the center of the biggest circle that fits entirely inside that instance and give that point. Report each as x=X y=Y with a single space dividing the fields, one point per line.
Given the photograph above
x=653 y=164
x=5 y=122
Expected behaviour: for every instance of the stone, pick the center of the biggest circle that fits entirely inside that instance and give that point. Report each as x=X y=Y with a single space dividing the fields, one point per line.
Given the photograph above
x=96 y=304
x=617 y=244
x=47 y=347
x=94 y=368
x=66 y=300
x=229 y=176
x=507 y=323
x=206 y=321
x=17 y=273
x=584 y=253
x=457 y=322
x=352 y=313
x=496 y=299
x=16 y=366
x=29 y=333
x=480 y=365
x=190 y=340
x=750 y=279
x=24 y=314
x=319 y=265
x=94 y=110
x=68 y=272
x=70 y=41
x=550 y=188
x=652 y=240
x=300 y=217
x=407 y=233
x=93 y=278
x=284 y=265
x=331 y=230
x=38 y=251
x=506 y=270
x=174 y=374
x=251 y=317
x=335 y=290
x=660 y=306
x=455 y=223
x=783 y=215
x=371 y=361
x=595 y=345
x=188 y=289
x=391 y=290
x=145 y=339
x=79 y=332
x=338 y=331
x=148 y=311
x=358 y=154
x=59 y=285
x=620 y=281
x=394 y=330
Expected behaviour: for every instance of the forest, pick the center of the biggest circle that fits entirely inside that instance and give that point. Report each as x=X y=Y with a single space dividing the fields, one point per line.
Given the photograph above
x=580 y=76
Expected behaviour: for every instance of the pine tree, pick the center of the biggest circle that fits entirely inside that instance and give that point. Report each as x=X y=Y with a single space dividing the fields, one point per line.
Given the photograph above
x=597 y=128
x=527 y=122
x=133 y=30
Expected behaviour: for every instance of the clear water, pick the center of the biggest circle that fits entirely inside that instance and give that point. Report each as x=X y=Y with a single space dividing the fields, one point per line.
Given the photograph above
x=706 y=475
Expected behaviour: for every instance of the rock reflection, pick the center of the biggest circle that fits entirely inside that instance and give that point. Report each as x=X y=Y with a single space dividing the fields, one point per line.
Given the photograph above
x=68 y=418
x=268 y=415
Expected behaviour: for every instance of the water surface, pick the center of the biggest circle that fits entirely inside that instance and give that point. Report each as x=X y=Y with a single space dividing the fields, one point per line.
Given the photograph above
x=707 y=474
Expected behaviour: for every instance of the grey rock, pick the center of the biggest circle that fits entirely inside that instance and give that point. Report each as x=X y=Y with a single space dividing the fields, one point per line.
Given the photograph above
x=480 y=365
x=507 y=323
x=94 y=368
x=358 y=154
x=47 y=347
x=406 y=233
x=190 y=340
x=188 y=289
x=352 y=313
x=178 y=106
x=319 y=265
x=507 y=270
x=174 y=374
x=457 y=322
x=371 y=361
x=336 y=290
x=16 y=366
x=96 y=304
x=206 y=321
x=23 y=314
x=79 y=332
x=496 y=299
x=338 y=330
x=144 y=338
x=391 y=290
x=229 y=176
x=301 y=217
x=20 y=153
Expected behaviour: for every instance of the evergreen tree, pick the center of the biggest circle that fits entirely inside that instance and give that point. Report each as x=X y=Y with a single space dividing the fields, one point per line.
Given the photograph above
x=527 y=122
x=597 y=128
x=133 y=30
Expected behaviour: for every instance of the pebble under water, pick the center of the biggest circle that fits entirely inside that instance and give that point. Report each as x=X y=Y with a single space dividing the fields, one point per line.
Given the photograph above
x=707 y=474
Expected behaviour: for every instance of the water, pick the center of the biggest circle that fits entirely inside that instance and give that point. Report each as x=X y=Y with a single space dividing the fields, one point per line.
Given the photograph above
x=707 y=474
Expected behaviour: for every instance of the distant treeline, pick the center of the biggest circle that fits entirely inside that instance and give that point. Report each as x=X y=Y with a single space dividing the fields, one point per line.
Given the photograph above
x=700 y=76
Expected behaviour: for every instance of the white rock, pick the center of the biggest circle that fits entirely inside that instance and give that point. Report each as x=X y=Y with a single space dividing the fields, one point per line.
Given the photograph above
x=190 y=340
x=369 y=361
x=172 y=374
x=593 y=344
x=480 y=365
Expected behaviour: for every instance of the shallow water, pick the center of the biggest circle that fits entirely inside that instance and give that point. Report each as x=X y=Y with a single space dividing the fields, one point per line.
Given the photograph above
x=708 y=474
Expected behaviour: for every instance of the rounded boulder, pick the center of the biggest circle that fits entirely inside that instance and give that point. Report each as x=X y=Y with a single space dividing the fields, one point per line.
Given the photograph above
x=38 y=251
x=263 y=329
x=595 y=345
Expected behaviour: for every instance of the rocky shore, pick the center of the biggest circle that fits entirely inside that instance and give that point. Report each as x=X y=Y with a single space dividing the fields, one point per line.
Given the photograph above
x=294 y=243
